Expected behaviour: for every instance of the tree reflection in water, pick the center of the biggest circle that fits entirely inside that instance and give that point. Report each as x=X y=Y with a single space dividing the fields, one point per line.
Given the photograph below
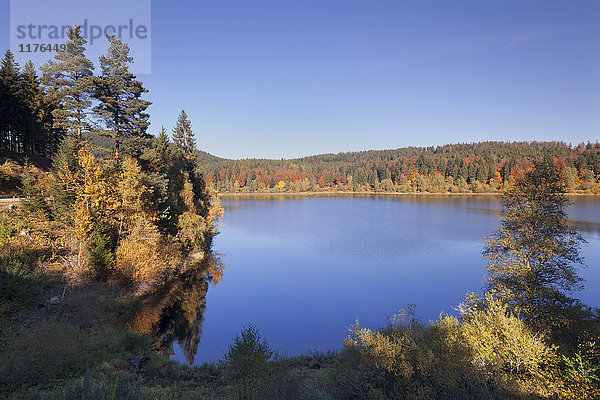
x=175 y=311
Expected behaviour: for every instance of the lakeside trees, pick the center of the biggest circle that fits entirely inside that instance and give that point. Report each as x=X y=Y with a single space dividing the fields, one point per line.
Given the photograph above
x=35 y=114
x=121 y=108
x=457 y=168
x=533 y=262
x=146 y=202
x=69 y=80
x=534 y=255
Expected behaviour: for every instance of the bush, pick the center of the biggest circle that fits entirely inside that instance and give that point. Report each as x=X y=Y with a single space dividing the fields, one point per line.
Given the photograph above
x=246 y=361
x=144 y=258
x=487 y=354
x=34 y=190
x=500 y=342
x=582 y=369
x=101 y=253
x=408 y=360
x=10 y=227
x=5 y=172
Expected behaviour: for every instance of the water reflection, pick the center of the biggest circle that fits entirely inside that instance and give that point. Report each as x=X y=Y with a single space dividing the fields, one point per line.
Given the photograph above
x=586 y=227
x=175 y=311
x=362 y=256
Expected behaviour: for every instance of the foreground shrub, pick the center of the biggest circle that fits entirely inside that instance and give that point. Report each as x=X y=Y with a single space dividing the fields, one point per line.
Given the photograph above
x=487 y=354
x=52 y=352
x=100 y=249
x=501 y=342
x=246 y=361
x=408 y=360
x=10 y=226
x=5 y=172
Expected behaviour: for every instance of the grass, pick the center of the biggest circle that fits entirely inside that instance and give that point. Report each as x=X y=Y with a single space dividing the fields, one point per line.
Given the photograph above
x=49 y=344
x=18 y=284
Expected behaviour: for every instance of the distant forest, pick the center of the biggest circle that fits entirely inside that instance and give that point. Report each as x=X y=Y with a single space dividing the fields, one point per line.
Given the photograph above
x=457 y=168
x=32 y=114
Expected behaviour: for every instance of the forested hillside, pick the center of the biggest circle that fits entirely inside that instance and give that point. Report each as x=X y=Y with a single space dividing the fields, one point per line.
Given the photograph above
x=37 y=112
x=459 y=168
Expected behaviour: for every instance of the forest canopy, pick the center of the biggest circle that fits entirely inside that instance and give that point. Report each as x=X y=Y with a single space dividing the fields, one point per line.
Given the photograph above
x=456 y=168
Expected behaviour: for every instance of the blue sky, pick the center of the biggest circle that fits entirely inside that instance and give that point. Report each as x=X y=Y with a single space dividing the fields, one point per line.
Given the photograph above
x=291 y=78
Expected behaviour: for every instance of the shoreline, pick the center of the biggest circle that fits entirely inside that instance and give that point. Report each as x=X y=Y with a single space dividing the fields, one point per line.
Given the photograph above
x=385 y=194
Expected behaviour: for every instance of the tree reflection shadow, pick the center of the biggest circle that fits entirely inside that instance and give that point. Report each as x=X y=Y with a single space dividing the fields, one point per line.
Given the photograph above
x=175 y=311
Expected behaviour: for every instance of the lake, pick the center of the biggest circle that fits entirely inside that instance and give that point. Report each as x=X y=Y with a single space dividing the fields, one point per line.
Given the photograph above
x=303 y=269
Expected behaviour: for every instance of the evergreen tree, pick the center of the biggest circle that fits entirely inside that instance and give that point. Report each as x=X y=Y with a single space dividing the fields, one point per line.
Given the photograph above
x=119 y=93
x=66 y=167
x=161 y=147
x=69 y=78
x=162 y=140
x=9 y=105
x=31 y=98
x=34 y=196
x=183 y=137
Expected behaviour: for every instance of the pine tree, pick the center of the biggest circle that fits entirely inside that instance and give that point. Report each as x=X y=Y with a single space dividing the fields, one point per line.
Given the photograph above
x=121 y=107
x=9 y=101
x=70 y=80
x=161 y=146
x=31 y=96
x=183 y=137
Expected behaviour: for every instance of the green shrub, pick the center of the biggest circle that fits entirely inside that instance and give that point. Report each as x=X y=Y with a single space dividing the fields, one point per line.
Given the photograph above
x=35 y=199
x=487 y=354
x=101 y=252
x=407 y=360
x=246 y=361
x=51 y=352
x=6 y=172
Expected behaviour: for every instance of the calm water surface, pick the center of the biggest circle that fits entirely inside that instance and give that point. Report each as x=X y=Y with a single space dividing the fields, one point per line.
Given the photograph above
x=303 y=269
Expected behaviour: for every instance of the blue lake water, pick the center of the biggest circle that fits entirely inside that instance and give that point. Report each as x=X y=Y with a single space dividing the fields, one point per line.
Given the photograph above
x=302 y=269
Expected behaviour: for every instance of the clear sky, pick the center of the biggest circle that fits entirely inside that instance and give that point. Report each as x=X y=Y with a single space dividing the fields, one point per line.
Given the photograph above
x=287 y=78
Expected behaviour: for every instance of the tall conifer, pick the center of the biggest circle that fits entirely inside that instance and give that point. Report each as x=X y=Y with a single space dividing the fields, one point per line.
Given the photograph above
x=183 y=137
x=9 y=103
x=69 y=78
x=121 y=108
x=31 y=129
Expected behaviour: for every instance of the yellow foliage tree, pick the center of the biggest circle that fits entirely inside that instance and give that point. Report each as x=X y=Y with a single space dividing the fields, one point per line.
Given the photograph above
x=144 y=258
x=96 y=198
x=136 y=198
